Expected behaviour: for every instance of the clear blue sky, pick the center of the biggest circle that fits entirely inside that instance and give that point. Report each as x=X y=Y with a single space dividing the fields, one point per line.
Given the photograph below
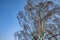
x=8 y=21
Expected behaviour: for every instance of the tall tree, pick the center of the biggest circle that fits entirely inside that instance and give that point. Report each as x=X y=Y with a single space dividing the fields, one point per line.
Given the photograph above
x=40 y=21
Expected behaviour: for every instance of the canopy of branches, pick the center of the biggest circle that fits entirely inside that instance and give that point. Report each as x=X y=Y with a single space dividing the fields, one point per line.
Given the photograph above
x=40 y=20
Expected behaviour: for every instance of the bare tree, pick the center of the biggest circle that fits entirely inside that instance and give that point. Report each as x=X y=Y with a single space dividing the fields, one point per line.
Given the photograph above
x=41 y=21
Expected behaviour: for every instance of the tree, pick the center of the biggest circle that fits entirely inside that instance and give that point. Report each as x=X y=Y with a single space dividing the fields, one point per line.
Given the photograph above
x=40 y=21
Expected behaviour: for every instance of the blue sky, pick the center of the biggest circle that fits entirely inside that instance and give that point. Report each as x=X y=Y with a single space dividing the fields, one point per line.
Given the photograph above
x=8 y=21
